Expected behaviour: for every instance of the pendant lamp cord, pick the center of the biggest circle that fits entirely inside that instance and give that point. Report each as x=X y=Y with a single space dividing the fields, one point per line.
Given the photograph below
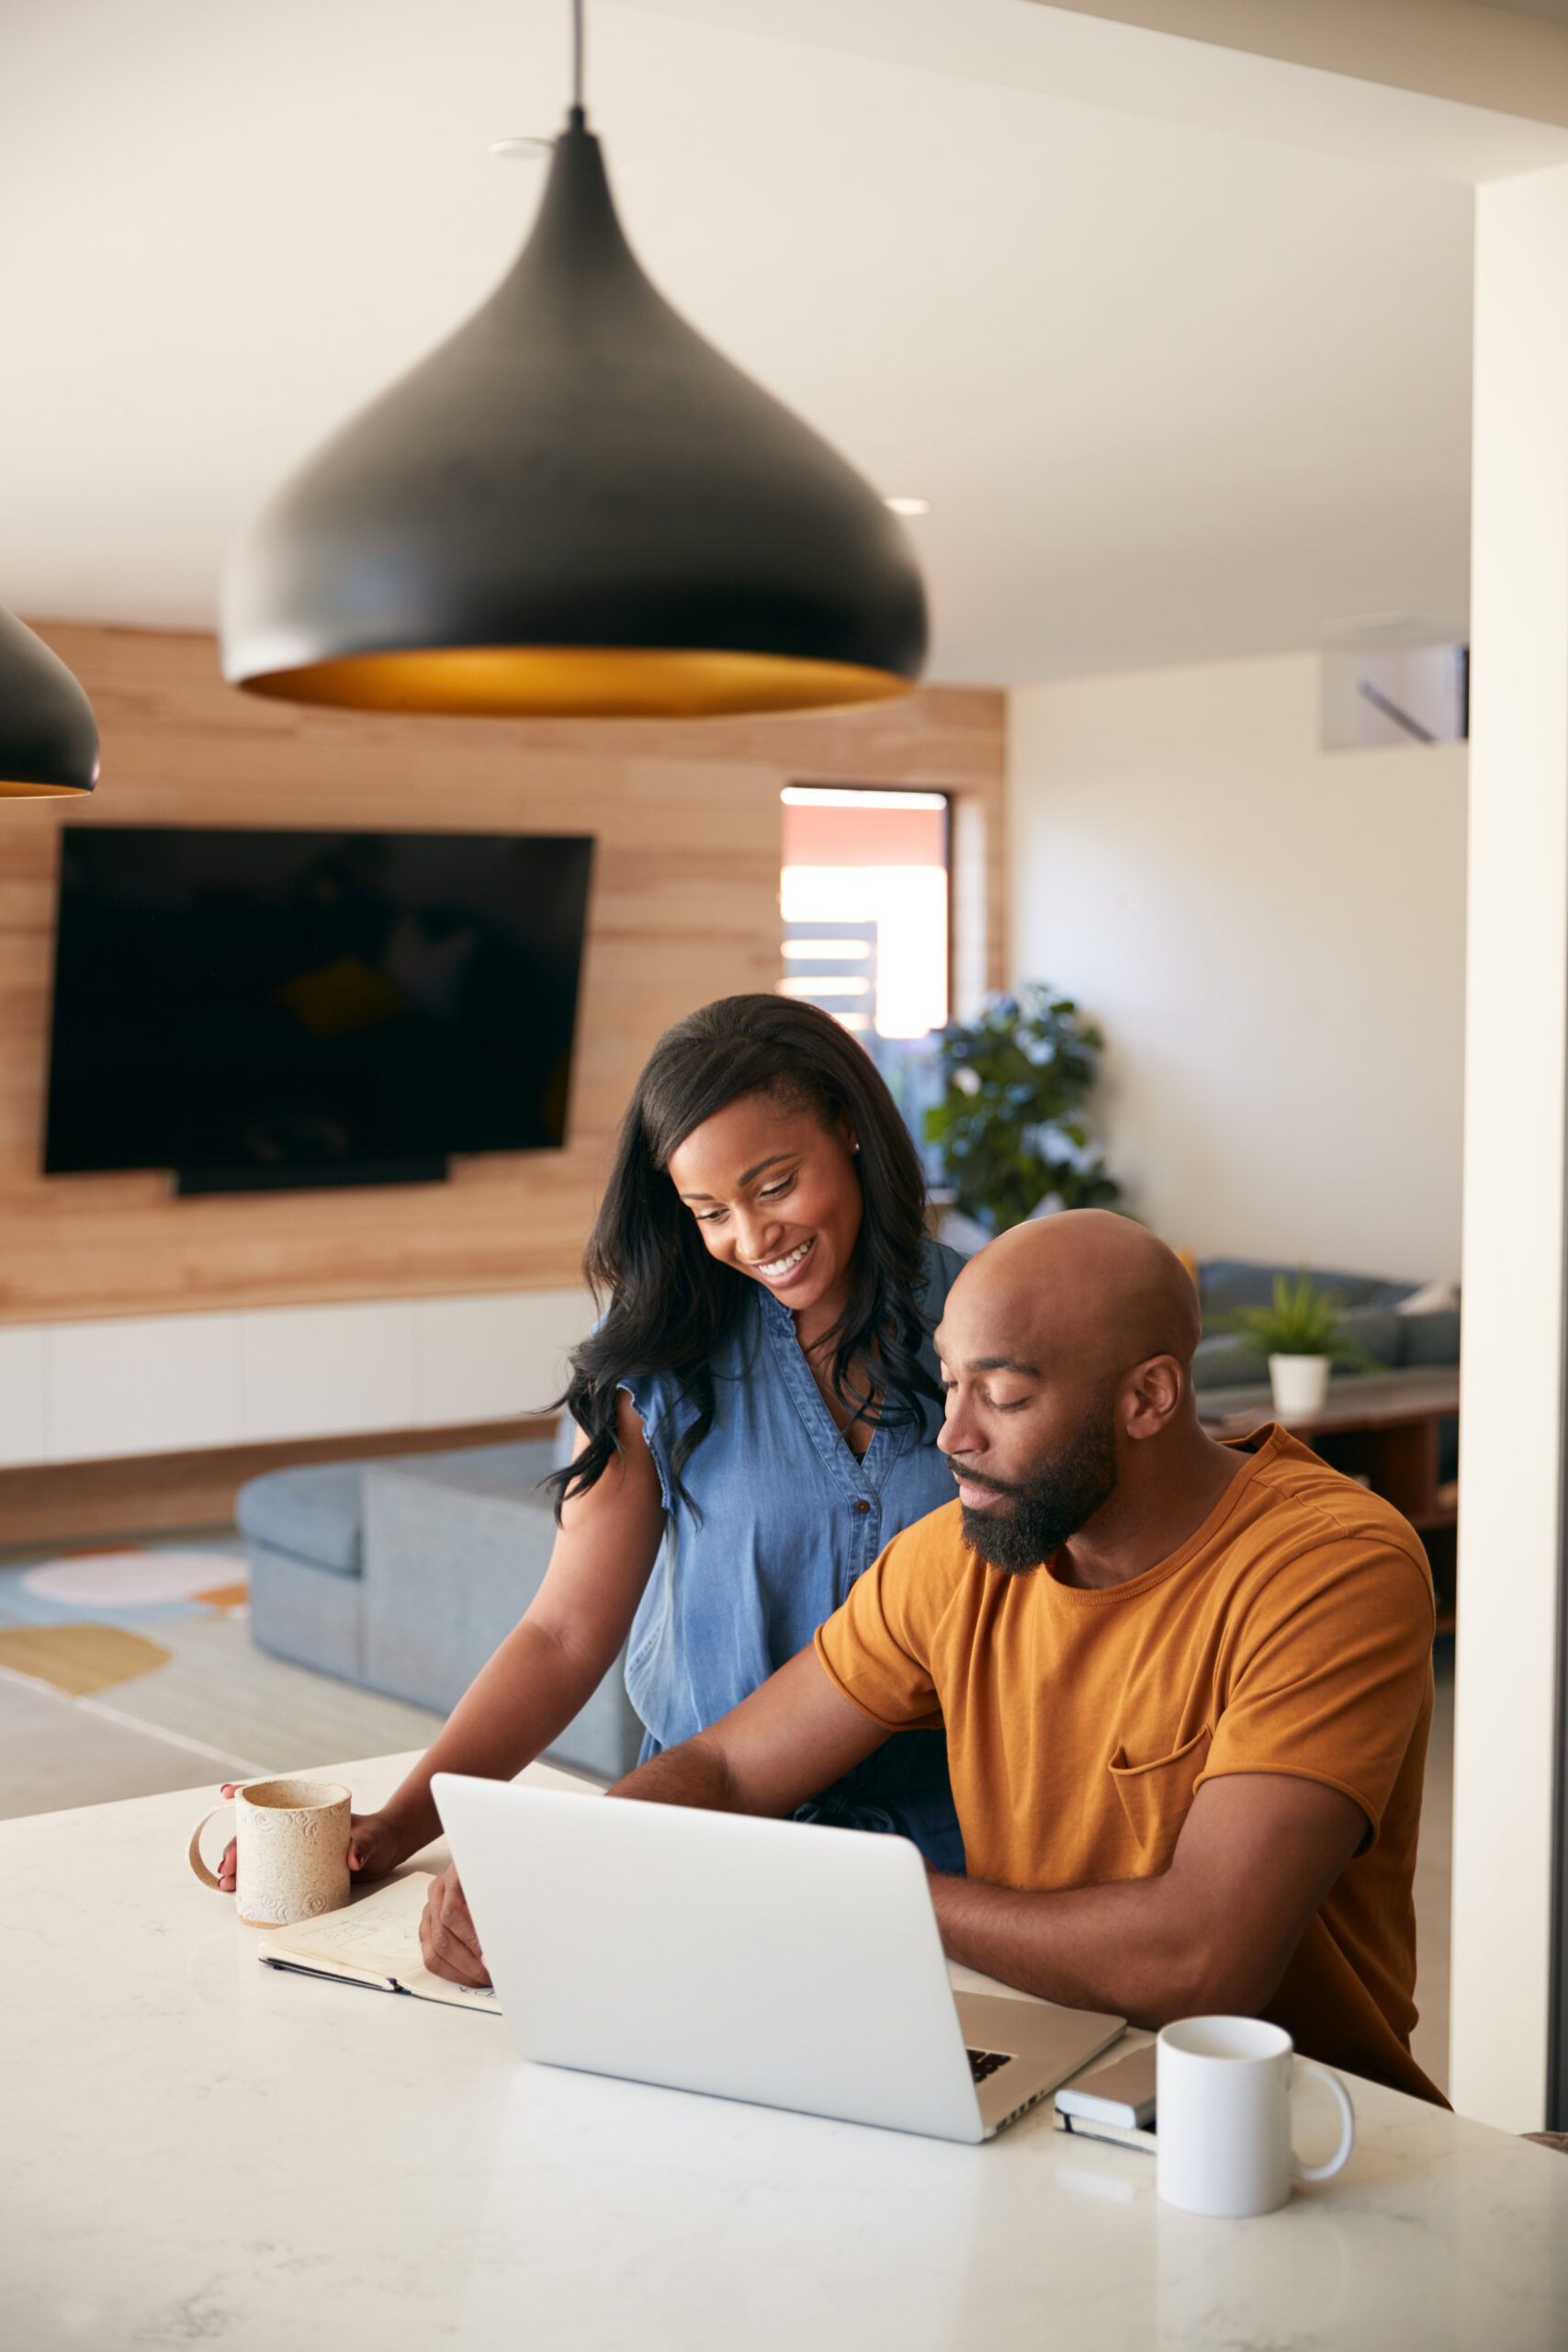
x=577 y=55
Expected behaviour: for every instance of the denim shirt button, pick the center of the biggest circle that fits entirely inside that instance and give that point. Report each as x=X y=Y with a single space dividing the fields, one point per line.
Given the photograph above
x=863 y=1507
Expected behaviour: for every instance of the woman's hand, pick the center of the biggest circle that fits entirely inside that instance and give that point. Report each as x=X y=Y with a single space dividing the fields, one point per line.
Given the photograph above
x=447 y=1936
x=376 y=1847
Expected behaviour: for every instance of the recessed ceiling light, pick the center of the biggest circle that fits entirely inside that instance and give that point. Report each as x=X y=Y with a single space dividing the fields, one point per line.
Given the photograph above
x=907 y=505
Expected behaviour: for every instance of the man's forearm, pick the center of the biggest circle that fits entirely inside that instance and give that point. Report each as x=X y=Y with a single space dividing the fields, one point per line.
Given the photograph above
x=795 y=1733
x=1256 y=1856
x=1129 y=1948
x=694 y=1773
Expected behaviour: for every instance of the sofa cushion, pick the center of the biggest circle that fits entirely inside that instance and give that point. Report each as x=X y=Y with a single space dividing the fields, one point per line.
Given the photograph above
x=513 y=1473
x=314 y=1513
x=1227 y=1361
x=1225 y=1284
x=1432 y=1298
x=455 y=1547
x=1378 y=1330
x=297 y=1611
x=317 y=1512
x=1432 y=1339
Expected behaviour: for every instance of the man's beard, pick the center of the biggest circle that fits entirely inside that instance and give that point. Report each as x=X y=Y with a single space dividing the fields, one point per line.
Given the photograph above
x=1063 y=1495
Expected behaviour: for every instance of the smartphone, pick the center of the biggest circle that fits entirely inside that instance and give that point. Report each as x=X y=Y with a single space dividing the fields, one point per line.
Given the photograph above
x=1122 y=2093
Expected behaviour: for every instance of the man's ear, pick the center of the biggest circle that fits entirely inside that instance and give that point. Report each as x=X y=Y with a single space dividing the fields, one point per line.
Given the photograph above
x=1153 y=1396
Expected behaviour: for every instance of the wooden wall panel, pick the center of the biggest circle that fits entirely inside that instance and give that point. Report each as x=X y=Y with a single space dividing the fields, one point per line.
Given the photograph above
x=684 y=907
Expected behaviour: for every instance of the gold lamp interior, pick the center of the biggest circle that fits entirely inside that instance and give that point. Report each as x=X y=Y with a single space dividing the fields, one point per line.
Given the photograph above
x=577 y=682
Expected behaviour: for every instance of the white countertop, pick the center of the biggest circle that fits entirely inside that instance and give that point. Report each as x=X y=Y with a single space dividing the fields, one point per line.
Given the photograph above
x=195 y=2149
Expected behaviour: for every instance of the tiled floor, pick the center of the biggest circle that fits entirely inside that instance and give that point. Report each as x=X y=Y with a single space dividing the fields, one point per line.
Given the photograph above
x=221 y=1706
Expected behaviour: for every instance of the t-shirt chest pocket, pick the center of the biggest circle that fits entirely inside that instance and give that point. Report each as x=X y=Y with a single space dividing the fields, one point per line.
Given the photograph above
x=1157 y=1797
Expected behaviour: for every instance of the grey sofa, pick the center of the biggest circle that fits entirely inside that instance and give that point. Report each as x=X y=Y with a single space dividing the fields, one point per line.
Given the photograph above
x=404 y=1575
x=1399 y=1343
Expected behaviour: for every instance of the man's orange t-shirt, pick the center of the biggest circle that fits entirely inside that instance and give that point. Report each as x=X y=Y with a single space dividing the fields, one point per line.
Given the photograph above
x=1292 y=1633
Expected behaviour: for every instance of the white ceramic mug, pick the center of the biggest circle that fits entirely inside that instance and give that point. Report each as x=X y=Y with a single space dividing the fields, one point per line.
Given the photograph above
x=1222 y=2116
x=292 y=1842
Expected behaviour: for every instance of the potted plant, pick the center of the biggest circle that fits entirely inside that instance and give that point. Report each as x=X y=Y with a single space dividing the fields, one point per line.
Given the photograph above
x=1009 y=1127
x=1301 y=1335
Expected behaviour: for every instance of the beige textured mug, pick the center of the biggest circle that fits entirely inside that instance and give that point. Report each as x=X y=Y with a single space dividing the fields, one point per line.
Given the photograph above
x=291 y=1837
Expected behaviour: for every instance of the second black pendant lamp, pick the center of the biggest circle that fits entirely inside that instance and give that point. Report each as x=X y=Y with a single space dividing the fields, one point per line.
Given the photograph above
x=575 y=506
x=49 y=737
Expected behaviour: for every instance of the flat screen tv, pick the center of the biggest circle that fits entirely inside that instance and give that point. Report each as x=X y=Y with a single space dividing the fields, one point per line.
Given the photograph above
x=259 y=1010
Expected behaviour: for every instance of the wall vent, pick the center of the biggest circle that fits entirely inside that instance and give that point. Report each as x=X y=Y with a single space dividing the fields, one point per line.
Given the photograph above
x=1400 y=683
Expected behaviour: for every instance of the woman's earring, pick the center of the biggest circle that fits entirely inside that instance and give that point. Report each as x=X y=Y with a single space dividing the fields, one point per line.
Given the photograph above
x=855 y=1150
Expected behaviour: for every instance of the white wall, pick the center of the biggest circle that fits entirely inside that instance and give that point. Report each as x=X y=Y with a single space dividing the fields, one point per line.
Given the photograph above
x=1272 y=938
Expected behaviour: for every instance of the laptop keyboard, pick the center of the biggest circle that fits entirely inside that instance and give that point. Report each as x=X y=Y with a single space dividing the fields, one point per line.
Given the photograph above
x=983 y=2064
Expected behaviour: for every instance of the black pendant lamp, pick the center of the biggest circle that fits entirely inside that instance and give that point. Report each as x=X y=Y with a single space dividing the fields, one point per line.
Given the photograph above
x=575 y=506
x=48 y=739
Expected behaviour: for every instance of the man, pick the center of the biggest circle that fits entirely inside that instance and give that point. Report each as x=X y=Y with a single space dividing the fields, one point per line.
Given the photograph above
x=1185 y=1686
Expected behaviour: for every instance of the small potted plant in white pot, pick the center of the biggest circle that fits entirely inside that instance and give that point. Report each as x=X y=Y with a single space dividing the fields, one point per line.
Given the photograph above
x=1302 y=1336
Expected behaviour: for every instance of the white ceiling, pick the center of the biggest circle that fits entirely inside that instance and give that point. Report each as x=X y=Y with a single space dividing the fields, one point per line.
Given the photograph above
x=1173 y=393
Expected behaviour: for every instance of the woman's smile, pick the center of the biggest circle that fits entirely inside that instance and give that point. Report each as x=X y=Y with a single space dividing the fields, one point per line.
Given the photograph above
x=781 y=1272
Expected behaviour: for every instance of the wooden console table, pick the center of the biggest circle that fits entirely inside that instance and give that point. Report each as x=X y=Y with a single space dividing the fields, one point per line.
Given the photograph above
x=1383 y=1428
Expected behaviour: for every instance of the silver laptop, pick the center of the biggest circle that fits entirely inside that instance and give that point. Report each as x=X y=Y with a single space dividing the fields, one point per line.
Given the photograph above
x=795 y=1966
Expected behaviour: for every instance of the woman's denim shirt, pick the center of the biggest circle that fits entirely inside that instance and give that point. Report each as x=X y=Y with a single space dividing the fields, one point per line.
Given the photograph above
x=789 y=1519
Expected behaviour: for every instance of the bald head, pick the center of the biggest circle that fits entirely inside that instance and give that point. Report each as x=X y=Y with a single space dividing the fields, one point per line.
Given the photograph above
x=1071 y=1427
x=1085 y=1288
x=1064 y=1351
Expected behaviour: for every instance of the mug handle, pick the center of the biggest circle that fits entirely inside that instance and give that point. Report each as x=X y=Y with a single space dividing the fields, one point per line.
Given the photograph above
x=198 y=1865
x=1341 y=2156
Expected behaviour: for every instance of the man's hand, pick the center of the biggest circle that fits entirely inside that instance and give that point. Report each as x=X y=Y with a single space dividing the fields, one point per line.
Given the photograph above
x=1212 y=1935
x=447 y=1936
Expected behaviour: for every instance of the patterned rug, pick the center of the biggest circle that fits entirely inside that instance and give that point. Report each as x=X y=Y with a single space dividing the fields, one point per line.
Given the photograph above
x=81 y=1623
x=136 y=1660
x=79 y=1660
x=139 y=1579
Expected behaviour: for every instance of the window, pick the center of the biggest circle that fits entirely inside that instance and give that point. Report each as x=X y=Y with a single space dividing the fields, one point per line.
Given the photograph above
x=864 y=898
x=864 y=902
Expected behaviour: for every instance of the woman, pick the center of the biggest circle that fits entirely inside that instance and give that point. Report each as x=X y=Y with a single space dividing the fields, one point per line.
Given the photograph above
x=756 y=1414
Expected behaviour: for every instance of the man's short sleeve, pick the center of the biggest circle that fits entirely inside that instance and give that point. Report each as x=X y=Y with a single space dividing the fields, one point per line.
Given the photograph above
x=876 y=1648
x=1329 y=1683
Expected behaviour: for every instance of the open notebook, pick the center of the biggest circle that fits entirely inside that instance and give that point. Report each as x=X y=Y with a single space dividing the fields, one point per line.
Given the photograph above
x=374 y=1941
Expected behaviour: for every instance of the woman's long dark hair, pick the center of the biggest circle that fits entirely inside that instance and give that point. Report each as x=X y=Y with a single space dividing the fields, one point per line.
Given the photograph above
x=669 y=1304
